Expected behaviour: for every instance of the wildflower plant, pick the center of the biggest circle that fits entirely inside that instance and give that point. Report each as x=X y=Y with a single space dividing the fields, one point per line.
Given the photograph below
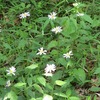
x=49 y=50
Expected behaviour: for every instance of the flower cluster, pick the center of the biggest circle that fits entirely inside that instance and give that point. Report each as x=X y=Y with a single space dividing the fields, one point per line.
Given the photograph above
x=78 y=13
x=11 y=71
x=51 y=68
x=24 y=15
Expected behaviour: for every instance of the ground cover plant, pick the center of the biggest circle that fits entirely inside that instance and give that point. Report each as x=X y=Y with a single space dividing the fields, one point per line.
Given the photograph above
x=49 y=50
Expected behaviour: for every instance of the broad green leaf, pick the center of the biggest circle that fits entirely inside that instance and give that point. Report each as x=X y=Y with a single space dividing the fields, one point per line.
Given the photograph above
x=29 y=81
x=73 y=98
x=69 y=28
x=22 y=44
x=33 y=66
x=25 y=24
x=60 y=82
x=52 y=44
x=88 y=98
x=32 y=99
x=2 y=81
x=2 y=57
x=38 y=88
x=68 y=92
x=97 y=71
x=19 y=85
x=41 y=80
x=6 y=45
x=30 y=92
x=95 y=89
x=57 y=75
x=87 y=18
x=11 y=95
x=45 y=24
x=61 y=95
x=23 y=5
x=80 y=74
x=62 y=61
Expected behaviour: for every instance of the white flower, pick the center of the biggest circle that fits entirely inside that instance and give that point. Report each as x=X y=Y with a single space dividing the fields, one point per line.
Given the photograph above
x=48 y=74
x=67 y=55
x=24 y=15
x=80 y=14
x=47 y=97
x=50 y=68
x=11 y=70
x=52 y=15
x=56 y=29
x=75 y=4
x=8 y=83
x=41 y=51
x=27 y=13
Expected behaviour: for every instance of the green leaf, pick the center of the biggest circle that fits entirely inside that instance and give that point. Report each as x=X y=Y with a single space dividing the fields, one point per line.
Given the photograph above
x=80 y=74
x=2 y=81
x=97 y=71
x=23 y=5
x=6 y=45
x=25 y=24
x=32 y=99
x=45 y=24
x=59 y=82
x=52 y=44
x=87 y=18
x=41 y=80
x=69 y=27
x=61 y=95
x=88 y=98
x=62 y=61
x=68 y=92
x=11 y=95
x=22 y=44
x=73 y=98
x=95 y=89
x=33 y=66
x=29 y=81
x=38 y=88
x=19 y=85
x=57 y=75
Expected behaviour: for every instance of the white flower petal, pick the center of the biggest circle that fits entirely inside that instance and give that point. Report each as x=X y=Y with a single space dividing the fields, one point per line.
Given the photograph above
x=80 y=14
x=8 y=83
x=50 y=68
x=57 y=29
x=24 y=15
x=52 y=16
x=75 y=4
x=11 y=70
x=41 y=51
x=48 y=74
x=67 y=55
x=47 y=97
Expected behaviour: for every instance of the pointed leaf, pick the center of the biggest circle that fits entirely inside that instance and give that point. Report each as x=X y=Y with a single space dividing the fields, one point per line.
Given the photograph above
x=33 y=66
